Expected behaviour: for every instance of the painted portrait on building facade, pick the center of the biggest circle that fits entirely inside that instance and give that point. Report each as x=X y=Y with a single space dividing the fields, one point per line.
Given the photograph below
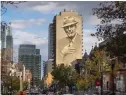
x=70 y=46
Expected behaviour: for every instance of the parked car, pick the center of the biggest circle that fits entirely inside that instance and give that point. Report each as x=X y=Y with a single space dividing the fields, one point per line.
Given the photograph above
x=44 y=91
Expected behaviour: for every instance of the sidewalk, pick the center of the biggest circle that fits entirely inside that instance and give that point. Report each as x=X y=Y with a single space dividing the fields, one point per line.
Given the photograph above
x=118 y=93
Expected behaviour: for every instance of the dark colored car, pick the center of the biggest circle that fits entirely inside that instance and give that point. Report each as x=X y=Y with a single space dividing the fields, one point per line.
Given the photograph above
x=44 y=91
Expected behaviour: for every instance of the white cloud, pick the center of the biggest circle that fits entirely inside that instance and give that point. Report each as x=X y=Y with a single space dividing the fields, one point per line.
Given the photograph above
x=88 y=40
x=92 y=21
x=83 y=8
x=52 y=7
x=45 y=8
x=117 y=21
x=25 y=23
x=22 y=37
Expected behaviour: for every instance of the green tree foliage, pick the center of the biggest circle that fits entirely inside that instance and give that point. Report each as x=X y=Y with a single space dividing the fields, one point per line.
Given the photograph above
x=65 y=75
x=5 y=4
x=97 y=65
x=12 y=82
x=112 y=27
x=4 y=7
x=42 y=83
x=25 y=84
x=82 y=83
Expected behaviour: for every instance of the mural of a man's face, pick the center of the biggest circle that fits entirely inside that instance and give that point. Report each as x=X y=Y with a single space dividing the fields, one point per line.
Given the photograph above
x=70 y=30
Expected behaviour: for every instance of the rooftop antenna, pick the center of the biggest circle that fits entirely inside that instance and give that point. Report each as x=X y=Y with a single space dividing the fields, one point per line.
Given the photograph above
x=9 y=30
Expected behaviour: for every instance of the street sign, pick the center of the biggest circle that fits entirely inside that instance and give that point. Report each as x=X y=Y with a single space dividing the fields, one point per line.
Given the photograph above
x=97 y=83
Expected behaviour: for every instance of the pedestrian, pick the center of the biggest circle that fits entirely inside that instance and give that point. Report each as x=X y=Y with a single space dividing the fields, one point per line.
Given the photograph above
x=67 y=89
x=73 y=89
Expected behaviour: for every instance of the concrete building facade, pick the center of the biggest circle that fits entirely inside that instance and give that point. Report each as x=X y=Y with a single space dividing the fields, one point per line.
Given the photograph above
x=28 y=75
x=119 y=76
x=65 y=38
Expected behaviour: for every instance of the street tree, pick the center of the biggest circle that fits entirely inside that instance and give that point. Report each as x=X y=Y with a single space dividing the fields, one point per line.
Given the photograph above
x=112 y=28
x=82 y=83
x=25 y=84
x=4 y=7
x=65 y=75
x=97 y=66
x=13 y=83
x=5 y=4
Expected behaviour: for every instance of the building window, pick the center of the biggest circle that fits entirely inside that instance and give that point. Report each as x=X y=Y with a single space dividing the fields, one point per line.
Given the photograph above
x=124 y=65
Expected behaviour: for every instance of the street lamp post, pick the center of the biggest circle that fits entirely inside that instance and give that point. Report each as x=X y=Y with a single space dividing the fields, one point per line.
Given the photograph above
x=2 y=87
x=101 y=79
x=12 y=70
x=21 y=84
x=112 y=67
x=11 y=83
x=101 y=83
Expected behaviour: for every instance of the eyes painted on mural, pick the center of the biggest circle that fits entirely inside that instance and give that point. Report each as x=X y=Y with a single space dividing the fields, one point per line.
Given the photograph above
x=70 y=30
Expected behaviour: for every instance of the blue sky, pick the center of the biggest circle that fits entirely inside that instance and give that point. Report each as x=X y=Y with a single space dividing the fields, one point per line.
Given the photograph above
x=31 y=19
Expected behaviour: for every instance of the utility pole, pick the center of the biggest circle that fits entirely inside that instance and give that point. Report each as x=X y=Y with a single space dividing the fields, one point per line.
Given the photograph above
x=21 y=85
x=112 y=67
x=0 y=73
x=113 y=88
x=101 y=82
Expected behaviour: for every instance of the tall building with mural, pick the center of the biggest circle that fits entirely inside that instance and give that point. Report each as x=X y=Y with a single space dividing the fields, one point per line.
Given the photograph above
x=31 y=58
x=65 y=38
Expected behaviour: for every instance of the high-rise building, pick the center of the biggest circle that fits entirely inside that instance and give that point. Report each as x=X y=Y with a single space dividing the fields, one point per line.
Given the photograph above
x=31 y=58
x=48 y=66
x=9 y=44
x=44 y=68
x=3 y=35
x=65 y=38
x=5 y=53
x=51 y=36
x=3 y=64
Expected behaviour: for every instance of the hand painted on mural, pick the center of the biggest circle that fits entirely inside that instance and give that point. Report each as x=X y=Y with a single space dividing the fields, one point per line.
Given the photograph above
x=69 y=49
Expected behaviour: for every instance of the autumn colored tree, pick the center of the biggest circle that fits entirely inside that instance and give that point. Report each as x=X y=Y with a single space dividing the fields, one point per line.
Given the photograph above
x=97 y=66
x=25 y=84
x=82 y=83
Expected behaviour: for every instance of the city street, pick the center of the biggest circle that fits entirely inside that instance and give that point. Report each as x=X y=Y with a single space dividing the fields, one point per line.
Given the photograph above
x=82 y=93
x=58 y=48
